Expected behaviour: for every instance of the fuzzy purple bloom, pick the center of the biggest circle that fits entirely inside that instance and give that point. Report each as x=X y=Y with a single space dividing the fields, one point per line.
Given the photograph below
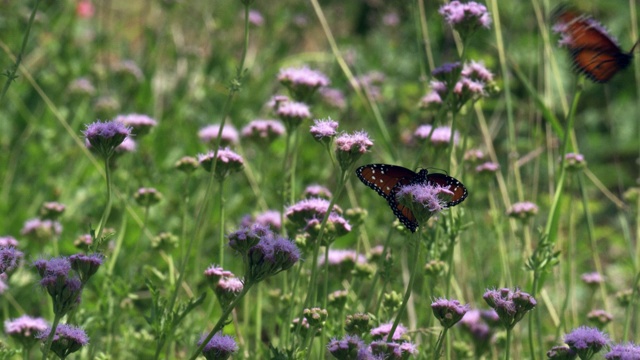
x=86 y=265
x=303 y=211
x=217 y=272
x=67 y=339
x=270 y=218
x=358 y=142
x=425 y=195
x=25 y=328
x=627 y=351
x=220 y=347
x=345 y=348
x=255 y=18
x=511 y=306
x=465 y=17
x=318 y=191
x=9 y=259
x=293 y=113
x=586 y=341
x=209 y=134
x=440 y=136
x=51 y=210
x=593 y=278
x=324 y=130
x=41 y=229
x=64 y=290
x=8 y=241
x=445 y=69
x=263 y=130
x=247 y=237
x=487 y=168
x=333 y=97
x=104 y=137
x=523 y=210
x=228 y=162
x=302 y=82
x=271 y=256
x=140 y=124
x=382 y=331
x=342 y=256
x=448 y=312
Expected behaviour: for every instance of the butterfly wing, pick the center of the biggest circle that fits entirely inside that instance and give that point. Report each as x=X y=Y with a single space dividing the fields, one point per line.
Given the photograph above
x=450 y=183
x=385 y=180
x=594 y=52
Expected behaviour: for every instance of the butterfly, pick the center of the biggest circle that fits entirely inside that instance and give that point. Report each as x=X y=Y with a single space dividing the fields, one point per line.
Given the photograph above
x=594 y=52
x=386 y=180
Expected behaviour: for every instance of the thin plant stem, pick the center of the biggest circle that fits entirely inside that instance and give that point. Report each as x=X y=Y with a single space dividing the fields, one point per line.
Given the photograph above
x=11 y=74
x=221 y=222
x=630 y=308
x=416 y=257
x=47 y=344
x=107 y=209
x=223 y=318
x=438 y=348
x=507 y=350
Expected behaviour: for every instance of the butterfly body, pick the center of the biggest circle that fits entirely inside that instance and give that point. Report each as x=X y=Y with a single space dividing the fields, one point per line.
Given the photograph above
x=594 y=52
x=386 y=180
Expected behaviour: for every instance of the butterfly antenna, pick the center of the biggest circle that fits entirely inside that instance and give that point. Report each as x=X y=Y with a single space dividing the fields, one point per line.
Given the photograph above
x=634 y=46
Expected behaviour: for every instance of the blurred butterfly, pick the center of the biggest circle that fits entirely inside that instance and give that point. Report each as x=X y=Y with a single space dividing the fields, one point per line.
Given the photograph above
x=594 y=52
x=386 y=180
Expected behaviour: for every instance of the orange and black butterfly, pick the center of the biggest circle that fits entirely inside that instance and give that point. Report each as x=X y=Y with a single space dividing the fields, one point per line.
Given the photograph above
x=594 y=52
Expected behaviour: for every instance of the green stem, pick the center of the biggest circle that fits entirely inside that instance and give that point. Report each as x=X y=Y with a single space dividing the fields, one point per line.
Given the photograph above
x=439 y=344
x=11 y=74
x=223 y=318
x=532 y=318
x=416 y=257
x=47 y=344
x=629 y=309
x=508 y=346
x=107 y=209
x=221 y=222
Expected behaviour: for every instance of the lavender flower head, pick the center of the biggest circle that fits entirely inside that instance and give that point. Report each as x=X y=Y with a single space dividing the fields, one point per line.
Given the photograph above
x=293 y=114
x=247 y=237
x=599 y=317
x=440 y=136
x=444 y=73
x=574 y=161
x=6 y=241
x=140 y=124
x=9 y=259
x=41 y=229
x=448 y=312
x=81 y=87
x=255 y=18
x=269 y=218
x=424 y=200
x=324 y=130
x=302 y=211
x=561 y=353
x=586 y=341
x=147 y=196
x=627 y=351
x=350 y=147
x=51 y=210
x=333 y=97
x=216 y=272
x=392 y=350
x=227 y=289
x=209 y=134
x=104 y=137
x=336 y=227
x=488 y=167
x=479 y=330
x=86 y=265
x=269 y=257
x=345 y=348
x=67 y=339
x=220 y=347
x=318 y=191
x=593 y=279
x=523 y=210
x=382 y=331
x=25 y=328
x=127 y=146
x=466 y=17
x=511 y=306
x=343 y=256
x=228 y=162
x=302 y=82
x=64 y=289
x=263 y=130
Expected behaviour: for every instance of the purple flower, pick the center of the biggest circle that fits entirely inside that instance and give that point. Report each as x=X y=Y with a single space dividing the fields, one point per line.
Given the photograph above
x=592 y=279
x=350 y=147
x=247 y=237
x=127 y=146
x=64 y=290
x=335 y=227
x=586 y=341
x=67 y=339
x=139 y=123
x=627 y=351
x=333 y=97
x=220 y=347
x=51 y=210
x=104 y=137
x=263 y=130
x=83 y=241
x=255 y=18
x=269 y=218
x=269 y=257
x=468 y=88
x=474 y=155
x=448 y=312
x=574 y=161
x=227 y=289
x=228 y=162
x=599 y=317
x=324 y=130
x=465 y=17
x=292 y=114
x=81 y=86
x=129 y=68
x=8 y=241
x=382 y=331
x=302 y=82
x=276 y=101
x=9 y=258
x=511 y=306
x=440 y=136
x=209 y=134
x=431 y=98
x=423 y=199
x=523 y=210
x=25 y=328
x=303 y=211
x=41 y=229
x=476 y=71
x=317 y=191
x=479 y=330
x=393 y=350
x=343 y=256
x=488 y=167
x=442 y=72
x=391 y=19
x=86 y=265
x=345 y=348
x=217 y=272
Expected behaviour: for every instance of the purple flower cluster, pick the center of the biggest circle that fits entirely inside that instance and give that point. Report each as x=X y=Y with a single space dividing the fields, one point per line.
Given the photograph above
x=209 y=134
x=317 y=191
x=147 y=196
x=523 y=210
x=41 y=229
x=488 y=167
x=25 y=328
x=342 y=256
x=263 y=130
x=51 y=210
x=9 y=258
x=586 y=341
x=448 y=312
x=220 y=347
x=302 y=82
x=292 y=114
x=265 y=253
x=574 y=161
x=104 y=137
x=511 y=306
x=303 y=211
x=424 y=200
x=324 y=130
x=228 y=162
x=476 y=324
x=333 y=97
x=6 y=241
x=67 y=339
x=592 y=279
x=627 y=351
x=440 y=136
x=466 y=17
x=140 y=124
x=468 y=84
x=353 y=347
x=350 y=147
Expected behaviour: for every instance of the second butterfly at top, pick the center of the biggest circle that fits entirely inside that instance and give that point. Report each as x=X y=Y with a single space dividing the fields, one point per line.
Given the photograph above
x=386 y=180
x=594 y=52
